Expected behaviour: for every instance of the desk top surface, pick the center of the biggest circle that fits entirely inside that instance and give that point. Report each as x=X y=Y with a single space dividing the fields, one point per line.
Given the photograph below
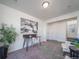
x=74 y=48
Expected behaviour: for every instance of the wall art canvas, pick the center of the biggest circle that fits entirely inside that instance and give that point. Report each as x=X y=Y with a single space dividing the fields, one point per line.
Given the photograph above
x=28 y=26
x=71 y=28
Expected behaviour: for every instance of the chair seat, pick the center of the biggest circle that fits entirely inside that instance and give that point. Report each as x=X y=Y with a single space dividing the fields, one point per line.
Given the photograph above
x=65 y=47
x=67 y=57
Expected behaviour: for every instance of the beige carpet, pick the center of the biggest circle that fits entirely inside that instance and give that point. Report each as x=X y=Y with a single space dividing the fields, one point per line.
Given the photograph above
x=48 y=50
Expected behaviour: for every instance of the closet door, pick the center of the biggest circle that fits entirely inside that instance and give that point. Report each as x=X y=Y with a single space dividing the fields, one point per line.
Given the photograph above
x=57 y=31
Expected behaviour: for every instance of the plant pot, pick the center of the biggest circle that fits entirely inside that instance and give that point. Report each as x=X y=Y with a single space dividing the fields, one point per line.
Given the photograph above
x=3 y=52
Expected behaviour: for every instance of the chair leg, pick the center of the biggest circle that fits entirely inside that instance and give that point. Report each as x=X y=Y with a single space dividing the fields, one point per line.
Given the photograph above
x=39 y=41
x=32 y=43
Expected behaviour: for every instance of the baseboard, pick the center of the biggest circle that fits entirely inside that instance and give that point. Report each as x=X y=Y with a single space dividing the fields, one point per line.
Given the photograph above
x=56 y=41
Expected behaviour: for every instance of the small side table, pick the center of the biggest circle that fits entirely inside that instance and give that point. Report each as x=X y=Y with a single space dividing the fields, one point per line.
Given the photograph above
x=74 y=52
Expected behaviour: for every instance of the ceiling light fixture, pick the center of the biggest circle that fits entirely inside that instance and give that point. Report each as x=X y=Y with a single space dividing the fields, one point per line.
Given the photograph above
x=45 y=4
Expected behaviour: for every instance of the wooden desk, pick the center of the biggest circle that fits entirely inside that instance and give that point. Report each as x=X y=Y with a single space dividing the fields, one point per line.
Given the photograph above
x=28 y=38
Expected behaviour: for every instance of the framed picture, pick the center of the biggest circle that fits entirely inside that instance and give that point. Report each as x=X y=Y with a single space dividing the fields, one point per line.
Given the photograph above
x=28 y=26
x=71 y=28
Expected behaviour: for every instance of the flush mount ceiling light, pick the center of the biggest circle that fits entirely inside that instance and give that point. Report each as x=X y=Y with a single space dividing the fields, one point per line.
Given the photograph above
x=45 y=4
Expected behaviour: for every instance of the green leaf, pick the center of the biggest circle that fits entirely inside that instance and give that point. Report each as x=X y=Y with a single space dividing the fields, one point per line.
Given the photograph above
x=9 y=34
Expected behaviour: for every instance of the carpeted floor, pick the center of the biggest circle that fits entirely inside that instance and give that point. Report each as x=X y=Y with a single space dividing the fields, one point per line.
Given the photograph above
x=48 y=50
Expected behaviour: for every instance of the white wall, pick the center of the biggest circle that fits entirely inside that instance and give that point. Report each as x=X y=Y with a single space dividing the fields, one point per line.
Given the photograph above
x=57 y=31
x=66 y=16
x=12 y=16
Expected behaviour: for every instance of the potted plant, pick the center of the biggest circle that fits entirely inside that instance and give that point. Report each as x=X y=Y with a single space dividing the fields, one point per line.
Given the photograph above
x=7 y=36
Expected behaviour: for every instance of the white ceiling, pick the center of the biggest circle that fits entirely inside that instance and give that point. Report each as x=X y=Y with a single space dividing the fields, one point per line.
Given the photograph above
x=34 y=8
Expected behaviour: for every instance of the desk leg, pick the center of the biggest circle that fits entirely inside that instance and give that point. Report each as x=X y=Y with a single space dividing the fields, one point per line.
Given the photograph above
x=27 y=43
x=24 y=43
